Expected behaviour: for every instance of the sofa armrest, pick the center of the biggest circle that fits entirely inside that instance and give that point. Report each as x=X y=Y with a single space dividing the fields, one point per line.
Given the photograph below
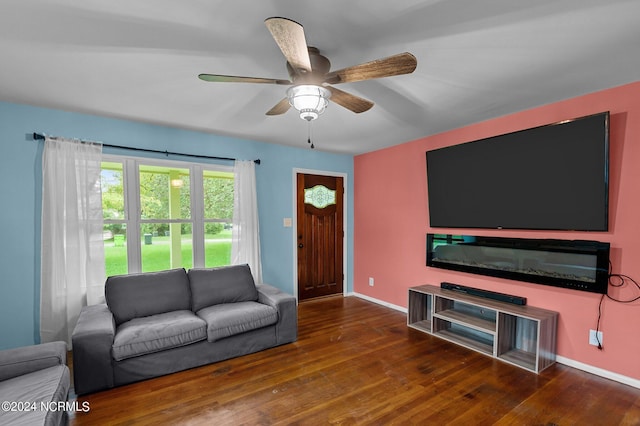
x=286 y=305
x=92 y=340
x=27 y=359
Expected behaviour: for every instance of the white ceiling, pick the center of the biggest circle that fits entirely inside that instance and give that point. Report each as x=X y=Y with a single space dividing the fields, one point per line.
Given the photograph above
x=139 y=59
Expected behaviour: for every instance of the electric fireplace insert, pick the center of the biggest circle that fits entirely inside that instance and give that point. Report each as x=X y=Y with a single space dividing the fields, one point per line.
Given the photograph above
x=574 y=264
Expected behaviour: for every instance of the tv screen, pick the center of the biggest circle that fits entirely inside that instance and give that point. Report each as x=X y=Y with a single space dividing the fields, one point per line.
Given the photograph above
x=552 y=177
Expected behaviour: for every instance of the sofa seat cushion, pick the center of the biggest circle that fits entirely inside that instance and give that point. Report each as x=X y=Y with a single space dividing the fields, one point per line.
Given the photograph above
x=227 y=319
x=155 y=333
x=48 y=386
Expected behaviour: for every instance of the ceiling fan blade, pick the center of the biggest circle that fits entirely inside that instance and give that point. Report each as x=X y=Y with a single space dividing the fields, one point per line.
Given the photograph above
x=289 y=35
x=349 y=101
x=403 y=63
x=235 y=79
x=280 y=108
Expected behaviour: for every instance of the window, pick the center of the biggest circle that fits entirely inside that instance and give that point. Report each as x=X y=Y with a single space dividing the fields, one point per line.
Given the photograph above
x=115 y=223
x=165 y=214
x=319 y=196
x=218 y=214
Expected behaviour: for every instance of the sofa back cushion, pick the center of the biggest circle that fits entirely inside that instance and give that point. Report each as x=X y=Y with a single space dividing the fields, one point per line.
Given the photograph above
x=148 y=293
x=226 y=284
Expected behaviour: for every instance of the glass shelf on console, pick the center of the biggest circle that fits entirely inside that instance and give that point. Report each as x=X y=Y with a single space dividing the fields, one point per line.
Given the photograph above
x=467 y=324
x=473 y=316
x=464 y=335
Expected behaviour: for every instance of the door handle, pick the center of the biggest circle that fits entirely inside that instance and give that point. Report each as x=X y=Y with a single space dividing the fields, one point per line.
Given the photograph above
x=300 y=245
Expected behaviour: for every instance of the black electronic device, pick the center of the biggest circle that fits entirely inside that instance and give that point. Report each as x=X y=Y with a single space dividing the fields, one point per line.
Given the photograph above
x=503 y=297
x=552 y=177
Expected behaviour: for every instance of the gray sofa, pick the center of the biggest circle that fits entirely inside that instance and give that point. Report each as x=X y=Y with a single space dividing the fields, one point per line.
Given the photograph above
x=162 y=322
x=33 y=380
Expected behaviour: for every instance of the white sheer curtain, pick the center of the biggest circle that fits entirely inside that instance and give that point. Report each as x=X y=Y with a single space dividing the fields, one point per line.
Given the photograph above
x=245 y=243
x=72 y=265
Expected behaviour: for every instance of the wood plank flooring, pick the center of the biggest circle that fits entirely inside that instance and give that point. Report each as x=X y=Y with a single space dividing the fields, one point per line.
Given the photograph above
x=356 y=362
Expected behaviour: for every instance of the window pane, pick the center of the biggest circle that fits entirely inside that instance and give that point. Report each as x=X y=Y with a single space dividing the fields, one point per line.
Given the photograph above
x=218 y=213
x=164 y=193
x=218 y=195
x=166 y=246
x=115 y=249
x=217 y=244
x=319 y=196
x=112 y=191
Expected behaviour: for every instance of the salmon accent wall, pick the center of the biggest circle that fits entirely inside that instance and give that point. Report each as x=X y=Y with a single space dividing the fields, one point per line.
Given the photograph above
x=391 y=219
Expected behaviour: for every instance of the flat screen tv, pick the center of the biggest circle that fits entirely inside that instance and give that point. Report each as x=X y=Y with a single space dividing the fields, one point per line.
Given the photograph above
x=552 y=177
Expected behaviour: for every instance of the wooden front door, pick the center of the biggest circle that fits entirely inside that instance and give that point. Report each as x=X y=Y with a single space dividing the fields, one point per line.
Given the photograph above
x=320 y=235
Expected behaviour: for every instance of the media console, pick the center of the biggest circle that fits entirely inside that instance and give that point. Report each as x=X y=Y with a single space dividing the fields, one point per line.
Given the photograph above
x=524 y=336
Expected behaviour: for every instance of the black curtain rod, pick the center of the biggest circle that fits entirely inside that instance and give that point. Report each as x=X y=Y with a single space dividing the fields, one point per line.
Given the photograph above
x=38 y=136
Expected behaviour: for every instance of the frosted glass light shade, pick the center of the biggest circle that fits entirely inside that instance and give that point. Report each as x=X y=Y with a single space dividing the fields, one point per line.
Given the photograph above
x=309 y=100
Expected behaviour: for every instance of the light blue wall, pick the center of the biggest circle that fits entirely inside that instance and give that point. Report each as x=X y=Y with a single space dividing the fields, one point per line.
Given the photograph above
x=20 y=192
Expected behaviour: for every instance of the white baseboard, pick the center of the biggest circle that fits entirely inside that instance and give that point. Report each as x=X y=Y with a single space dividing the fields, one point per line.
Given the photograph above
x=599 y=371
x=560 y=359
x=379 y=302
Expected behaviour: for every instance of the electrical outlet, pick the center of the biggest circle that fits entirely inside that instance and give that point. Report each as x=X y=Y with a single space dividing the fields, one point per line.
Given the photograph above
x=593 y=340
x=371 y=281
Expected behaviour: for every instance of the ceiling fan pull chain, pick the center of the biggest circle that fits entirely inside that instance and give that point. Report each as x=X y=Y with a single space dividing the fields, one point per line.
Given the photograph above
x=309 y=135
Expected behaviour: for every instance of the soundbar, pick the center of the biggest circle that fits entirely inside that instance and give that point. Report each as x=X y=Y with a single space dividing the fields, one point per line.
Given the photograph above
x=503 y=297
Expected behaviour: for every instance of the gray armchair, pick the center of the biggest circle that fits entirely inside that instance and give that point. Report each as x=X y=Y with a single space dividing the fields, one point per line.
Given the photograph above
x=33 y=379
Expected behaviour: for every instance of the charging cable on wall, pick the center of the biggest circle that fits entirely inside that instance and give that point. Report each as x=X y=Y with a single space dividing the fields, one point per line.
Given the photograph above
x=615 y=280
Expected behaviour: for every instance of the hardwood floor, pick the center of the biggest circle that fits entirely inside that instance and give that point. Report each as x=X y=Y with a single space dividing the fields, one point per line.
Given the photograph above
x=358 y=363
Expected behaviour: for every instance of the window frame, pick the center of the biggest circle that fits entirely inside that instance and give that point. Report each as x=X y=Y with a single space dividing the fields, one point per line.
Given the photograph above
x=132 y=208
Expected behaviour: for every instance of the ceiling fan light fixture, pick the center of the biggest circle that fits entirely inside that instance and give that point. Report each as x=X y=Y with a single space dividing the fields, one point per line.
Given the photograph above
x=310 y=100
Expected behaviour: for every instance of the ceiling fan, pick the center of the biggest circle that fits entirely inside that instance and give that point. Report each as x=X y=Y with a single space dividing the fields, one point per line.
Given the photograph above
x=310 y=77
